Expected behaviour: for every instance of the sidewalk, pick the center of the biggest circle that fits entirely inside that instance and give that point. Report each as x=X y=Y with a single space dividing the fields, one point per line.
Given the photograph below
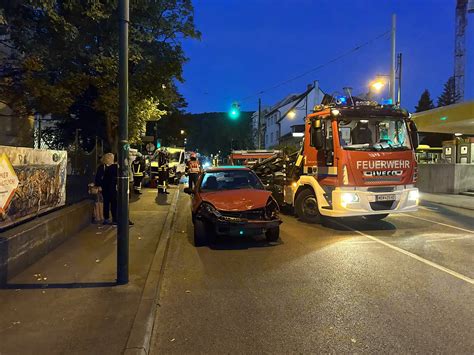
x=68 y=302
x=459 y=201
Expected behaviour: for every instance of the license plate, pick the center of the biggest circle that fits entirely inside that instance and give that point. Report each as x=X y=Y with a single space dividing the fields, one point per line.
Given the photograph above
x=385 y=198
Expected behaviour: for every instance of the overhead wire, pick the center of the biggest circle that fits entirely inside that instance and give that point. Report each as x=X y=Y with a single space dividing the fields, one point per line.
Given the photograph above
x=335 y=59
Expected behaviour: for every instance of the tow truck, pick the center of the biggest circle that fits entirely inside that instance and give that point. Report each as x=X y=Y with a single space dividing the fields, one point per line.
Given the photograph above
x=249 y=158
x=355 y=160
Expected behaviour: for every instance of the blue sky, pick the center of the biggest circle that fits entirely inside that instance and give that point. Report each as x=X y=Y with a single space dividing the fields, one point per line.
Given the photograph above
x=250 y=45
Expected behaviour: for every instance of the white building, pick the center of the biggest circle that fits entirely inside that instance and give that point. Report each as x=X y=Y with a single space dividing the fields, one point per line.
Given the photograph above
x=284 y=116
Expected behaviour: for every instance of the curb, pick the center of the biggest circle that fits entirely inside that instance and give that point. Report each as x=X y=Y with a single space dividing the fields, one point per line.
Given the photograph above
x=143 y=324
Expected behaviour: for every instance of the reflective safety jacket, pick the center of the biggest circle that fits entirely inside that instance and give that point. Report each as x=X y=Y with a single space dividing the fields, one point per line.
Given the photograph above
x=193 y=167
x=138 y=168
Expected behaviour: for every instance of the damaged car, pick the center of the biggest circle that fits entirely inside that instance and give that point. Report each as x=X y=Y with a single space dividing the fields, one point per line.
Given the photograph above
x=232 y=201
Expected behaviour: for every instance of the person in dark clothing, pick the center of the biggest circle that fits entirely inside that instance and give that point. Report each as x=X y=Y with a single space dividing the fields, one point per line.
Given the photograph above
x=106 y=179
x=138 y=168
x=194 y=168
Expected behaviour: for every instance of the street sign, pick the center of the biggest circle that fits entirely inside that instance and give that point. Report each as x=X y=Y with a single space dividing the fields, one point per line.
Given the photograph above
x=148 y=139
x=8 y=182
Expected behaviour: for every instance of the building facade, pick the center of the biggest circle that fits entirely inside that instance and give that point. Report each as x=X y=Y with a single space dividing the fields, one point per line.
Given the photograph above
x=286 y=116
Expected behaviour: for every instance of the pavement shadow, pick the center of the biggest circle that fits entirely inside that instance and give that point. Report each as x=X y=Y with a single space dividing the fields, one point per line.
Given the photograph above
x=162 y=199
x=242 y=243
x=34 y=286
x=357 y=223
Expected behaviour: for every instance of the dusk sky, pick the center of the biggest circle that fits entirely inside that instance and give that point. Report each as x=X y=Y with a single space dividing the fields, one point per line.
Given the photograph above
x=251 y=45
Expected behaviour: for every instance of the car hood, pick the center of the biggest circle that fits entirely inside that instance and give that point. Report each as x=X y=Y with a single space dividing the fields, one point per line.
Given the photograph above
x=237 y=200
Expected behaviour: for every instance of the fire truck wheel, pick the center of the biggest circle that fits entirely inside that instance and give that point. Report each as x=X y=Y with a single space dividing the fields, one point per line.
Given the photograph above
x=376 y=217
x=272 y=234
x=306 y=207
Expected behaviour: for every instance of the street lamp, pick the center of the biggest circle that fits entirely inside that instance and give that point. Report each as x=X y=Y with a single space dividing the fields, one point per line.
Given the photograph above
x=377 y=85
x=292 y=114
x=182 y=132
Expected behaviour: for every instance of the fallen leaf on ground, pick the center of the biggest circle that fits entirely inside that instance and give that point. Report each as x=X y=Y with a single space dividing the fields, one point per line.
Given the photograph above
x=353 y=340
x=172 y=340
x=187 y=291
x=98 y=233
x=97 y=260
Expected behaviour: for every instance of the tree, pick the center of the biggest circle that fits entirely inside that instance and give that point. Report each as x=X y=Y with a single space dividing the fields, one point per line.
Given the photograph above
x=425 y=102
x=449 y=96
x=69 y=59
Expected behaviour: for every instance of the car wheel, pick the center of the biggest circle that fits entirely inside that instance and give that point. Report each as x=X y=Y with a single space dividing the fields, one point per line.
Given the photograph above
x=376 y=217
x=272 y=234
x=203 y=233
x=306 y=207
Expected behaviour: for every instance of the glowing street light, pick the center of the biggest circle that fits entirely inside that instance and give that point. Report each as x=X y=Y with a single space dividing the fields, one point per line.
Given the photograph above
x=377 y=85
x=292 y=114
x=182 y=132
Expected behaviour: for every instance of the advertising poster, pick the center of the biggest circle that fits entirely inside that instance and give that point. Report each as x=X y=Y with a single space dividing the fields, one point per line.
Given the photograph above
x=32 y=181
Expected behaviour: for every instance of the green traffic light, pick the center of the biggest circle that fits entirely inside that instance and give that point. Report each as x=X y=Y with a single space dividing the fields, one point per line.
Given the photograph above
x=234 y=113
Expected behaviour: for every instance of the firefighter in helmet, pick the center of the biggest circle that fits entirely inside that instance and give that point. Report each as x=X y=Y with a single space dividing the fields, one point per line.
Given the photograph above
x=163 y=171
x=194 y=168
x=138 y=168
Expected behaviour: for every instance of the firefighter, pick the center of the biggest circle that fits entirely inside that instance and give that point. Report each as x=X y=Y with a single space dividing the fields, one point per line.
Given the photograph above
x=194 y=169
x=163 y=171
x=138 y=168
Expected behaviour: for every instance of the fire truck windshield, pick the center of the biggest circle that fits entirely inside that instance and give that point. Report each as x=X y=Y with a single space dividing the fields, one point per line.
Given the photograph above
x=374 y=134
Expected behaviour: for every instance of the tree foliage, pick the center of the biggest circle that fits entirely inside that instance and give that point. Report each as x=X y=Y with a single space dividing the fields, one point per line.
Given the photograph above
x=425 y=102
x=448 y=96
x=69 y=59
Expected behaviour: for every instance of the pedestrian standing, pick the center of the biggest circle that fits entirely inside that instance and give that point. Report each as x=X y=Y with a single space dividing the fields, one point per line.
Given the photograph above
x=106 y=179
x=194 y=169
x=138 y=168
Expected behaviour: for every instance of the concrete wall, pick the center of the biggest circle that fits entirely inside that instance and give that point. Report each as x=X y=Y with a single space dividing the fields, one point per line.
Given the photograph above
x=445 y=178
x=23 y=245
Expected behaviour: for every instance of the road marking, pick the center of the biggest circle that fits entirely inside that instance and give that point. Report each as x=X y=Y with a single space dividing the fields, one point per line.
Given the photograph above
x=441 y=224
x=414 y=256
x=428 y=208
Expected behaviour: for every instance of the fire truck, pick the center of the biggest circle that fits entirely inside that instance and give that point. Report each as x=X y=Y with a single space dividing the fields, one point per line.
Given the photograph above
x=355 y=160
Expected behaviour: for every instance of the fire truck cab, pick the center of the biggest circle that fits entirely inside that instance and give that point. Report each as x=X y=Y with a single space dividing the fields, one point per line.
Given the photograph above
x=356 y=160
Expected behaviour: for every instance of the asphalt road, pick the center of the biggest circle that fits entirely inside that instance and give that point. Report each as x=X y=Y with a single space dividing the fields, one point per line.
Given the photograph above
x=402 y=285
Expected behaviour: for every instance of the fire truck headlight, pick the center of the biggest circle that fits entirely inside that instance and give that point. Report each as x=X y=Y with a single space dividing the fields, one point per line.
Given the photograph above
x=349 y=197
x=413 y=195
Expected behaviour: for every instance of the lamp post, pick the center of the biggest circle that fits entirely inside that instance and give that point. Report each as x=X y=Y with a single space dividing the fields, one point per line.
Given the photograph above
x=123 y=147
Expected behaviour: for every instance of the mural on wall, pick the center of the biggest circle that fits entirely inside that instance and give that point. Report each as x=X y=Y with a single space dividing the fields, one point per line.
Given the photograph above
x=32 y=182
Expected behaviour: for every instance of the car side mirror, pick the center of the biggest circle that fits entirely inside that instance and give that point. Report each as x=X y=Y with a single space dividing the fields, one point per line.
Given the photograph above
x=316 y=135
x=188 y=191
x=415 y=139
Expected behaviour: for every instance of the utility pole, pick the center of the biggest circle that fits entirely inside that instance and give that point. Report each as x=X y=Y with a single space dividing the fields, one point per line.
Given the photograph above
x=399 y=95
x=259 y=123
x=460 y=48
x=393 y=58
x=123 y=147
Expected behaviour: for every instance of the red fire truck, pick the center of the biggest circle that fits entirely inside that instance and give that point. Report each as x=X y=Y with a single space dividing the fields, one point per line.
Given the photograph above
x=356 y=160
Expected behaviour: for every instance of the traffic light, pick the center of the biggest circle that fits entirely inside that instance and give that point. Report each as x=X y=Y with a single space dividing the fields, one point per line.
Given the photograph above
x=158 y=143
x=234 y=112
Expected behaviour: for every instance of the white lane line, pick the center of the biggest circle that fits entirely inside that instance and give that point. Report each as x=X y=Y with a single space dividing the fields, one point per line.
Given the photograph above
x=441 y=224
x=414 y=256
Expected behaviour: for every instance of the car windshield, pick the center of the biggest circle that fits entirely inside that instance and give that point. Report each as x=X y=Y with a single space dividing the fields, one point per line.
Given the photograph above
x=230 y=180
x=174 y=157
x=374 y=134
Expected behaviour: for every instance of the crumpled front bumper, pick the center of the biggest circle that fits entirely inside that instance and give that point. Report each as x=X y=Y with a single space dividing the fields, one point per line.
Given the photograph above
x=242 y=226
